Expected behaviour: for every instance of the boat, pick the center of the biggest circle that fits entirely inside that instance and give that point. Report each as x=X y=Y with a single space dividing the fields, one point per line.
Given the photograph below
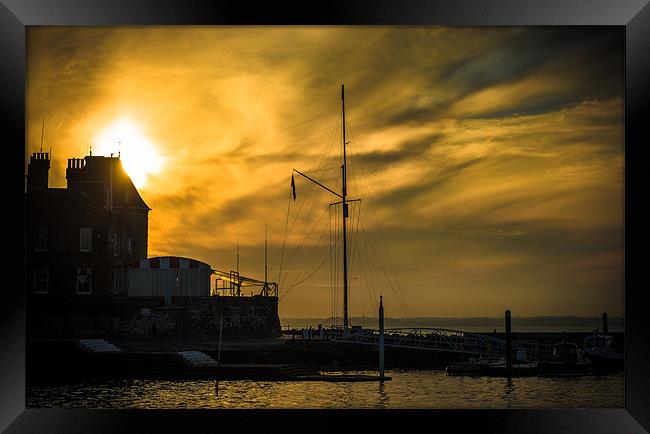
x=474 y=366
x=565 y=360
x=493 y=367
x=343 y=200
x=599 y=349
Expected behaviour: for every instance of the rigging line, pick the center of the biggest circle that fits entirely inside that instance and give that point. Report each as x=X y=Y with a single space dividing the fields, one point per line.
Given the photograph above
x=398 y=295
x=369 y=274
x=336 y=260
x=174 y=251
x=365 y=279
x=293 y=284
x=385 y=273
x=362 y=271
x=331 y=270
x=302 y=240
x=302 y=204
x=355 y=230
x=354 y=237
x=311 y=197
x=333 y=212
x=331 y=141
x=285 y=238
x=357 y=246
x=289 y=288
x=335 y=237
x=381 y=231
x=310 y=194
x=384 y=244
x=316 y=247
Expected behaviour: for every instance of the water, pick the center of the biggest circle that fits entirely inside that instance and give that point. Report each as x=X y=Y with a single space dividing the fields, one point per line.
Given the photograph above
x=408 y=389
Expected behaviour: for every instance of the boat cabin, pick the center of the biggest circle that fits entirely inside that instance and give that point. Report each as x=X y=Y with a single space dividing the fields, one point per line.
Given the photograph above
x=565 y=352
x=597 y=342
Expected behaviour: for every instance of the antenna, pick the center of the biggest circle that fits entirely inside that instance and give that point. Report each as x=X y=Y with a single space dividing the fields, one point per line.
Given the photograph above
x=42 y=132
x=237 y=256
x=266 y=246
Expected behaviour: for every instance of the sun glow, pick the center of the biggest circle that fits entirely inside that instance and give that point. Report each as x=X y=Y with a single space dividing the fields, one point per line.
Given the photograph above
x=138 y=154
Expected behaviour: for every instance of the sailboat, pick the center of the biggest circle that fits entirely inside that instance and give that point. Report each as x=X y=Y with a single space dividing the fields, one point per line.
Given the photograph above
x=344 y=201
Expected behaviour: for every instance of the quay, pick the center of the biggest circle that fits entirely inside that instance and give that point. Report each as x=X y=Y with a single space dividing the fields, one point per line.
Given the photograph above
x=284 y=358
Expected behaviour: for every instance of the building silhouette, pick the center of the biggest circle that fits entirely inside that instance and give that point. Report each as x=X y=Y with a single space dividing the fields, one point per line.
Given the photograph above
x=80 y=238
x=88 y=273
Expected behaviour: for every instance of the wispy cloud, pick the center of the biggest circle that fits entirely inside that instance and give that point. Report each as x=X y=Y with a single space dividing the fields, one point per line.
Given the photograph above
x=489 y=160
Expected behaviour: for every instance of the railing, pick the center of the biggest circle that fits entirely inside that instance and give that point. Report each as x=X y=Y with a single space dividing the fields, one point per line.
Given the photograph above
x=441 y=340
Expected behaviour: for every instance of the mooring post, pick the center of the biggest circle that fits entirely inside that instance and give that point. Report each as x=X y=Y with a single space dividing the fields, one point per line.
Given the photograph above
x=220 y=335
x=508 y=340
x=381 y=337
x=605 y=328
x=216 y=383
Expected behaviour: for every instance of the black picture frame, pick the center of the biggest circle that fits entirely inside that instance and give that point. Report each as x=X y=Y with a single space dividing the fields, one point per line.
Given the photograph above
x=633 y=15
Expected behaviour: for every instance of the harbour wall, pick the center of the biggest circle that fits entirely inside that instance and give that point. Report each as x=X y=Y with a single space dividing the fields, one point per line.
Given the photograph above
x=200 y=318
x=150 y=318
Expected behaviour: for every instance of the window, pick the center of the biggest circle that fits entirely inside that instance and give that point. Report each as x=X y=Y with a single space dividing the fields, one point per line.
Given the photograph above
x=115 y=244
x=41 y=280
x=40 y=240
x=84 y=280
x=85 y=239
x=116 y=282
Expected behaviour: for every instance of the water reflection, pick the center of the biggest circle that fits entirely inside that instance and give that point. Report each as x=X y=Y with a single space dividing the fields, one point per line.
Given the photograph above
x=384 y=400
x=509 y=387
x=407 y=389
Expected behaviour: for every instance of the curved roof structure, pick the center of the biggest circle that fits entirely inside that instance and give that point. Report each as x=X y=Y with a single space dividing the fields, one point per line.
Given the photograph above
x=170 y=262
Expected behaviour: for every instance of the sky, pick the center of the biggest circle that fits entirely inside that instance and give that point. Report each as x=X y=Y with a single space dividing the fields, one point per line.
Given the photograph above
x=489 y=160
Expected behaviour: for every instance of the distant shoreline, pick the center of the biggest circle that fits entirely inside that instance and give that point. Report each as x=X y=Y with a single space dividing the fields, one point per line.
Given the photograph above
x=482 y=324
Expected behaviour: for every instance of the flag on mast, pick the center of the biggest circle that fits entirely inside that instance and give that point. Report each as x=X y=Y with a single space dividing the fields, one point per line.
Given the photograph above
x=293 y=187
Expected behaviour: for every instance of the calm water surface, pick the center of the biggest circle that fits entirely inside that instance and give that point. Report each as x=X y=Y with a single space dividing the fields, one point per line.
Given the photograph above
x=408 y=389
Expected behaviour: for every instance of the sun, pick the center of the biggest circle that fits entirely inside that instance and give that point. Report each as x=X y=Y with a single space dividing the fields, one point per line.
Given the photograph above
x=140 y=157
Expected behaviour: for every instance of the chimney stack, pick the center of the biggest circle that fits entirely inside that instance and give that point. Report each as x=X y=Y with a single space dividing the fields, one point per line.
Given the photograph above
x=74 y=170
x=37 y=171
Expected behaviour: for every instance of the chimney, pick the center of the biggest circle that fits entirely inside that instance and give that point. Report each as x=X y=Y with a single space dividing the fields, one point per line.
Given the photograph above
x=37 y=171
x=74 y=171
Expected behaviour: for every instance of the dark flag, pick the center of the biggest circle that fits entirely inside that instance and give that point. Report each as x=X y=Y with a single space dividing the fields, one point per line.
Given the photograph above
x=293 y=187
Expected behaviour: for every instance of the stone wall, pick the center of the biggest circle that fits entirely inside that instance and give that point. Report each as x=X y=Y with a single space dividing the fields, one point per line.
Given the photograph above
x=199 y=318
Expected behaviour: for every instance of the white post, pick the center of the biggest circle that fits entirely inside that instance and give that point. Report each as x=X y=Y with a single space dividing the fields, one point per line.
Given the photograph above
x=381 y=337
x=220 y=333
x=216 y=383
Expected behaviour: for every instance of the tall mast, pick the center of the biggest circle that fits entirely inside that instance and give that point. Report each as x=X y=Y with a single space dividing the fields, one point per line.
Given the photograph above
x=344 y=210
x=346 y=323
x=266 y=246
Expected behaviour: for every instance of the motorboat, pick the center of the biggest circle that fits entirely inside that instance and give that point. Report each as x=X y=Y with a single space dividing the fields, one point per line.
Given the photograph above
x=599 y=349
x=566 y=359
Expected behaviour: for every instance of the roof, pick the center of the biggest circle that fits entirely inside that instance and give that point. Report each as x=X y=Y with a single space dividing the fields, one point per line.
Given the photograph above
x=170 y=263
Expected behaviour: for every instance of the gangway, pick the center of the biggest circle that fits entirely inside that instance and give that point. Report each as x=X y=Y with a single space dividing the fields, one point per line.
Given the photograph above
x=437 y=339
